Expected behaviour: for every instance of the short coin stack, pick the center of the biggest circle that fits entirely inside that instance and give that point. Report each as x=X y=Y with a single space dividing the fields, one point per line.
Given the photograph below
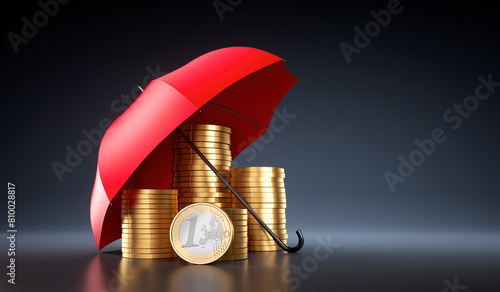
x=146 y=218
x=239 y=247
x=194 y=180
x=263 y=188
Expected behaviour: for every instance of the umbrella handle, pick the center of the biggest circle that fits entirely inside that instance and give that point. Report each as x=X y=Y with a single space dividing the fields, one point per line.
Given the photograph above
x=269 y=231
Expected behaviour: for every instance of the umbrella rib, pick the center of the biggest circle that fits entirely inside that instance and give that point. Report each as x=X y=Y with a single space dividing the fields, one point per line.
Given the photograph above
x=280 y=71
x=236 y=113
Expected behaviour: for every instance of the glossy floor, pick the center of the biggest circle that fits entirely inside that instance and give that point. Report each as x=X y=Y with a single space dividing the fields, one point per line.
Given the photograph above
x=337 y=261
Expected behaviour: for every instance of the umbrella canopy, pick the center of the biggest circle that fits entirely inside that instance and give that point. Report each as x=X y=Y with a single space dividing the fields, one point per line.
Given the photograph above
x=237 y=87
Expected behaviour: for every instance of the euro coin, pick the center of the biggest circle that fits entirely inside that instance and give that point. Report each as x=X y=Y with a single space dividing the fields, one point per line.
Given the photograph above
x=204 y=127
x=205 y=243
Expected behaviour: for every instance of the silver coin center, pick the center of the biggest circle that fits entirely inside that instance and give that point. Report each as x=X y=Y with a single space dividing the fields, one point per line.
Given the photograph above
x=201 y=233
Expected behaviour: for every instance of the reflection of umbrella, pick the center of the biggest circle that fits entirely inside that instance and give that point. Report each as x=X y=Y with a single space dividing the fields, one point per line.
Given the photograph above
x=235 y=87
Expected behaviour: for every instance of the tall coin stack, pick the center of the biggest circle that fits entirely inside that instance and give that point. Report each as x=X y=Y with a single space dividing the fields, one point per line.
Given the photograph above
x=146 y=218
x=239 y=247
x=194 y=180
x=263 y=188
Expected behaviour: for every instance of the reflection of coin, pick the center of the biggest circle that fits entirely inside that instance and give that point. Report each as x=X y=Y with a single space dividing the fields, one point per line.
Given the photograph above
x=201 y=233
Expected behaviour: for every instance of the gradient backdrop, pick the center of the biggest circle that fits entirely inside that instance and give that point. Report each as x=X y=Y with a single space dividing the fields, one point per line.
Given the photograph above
x=347 y=121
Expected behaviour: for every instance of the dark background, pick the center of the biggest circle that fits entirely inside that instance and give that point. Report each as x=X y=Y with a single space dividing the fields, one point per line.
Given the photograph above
x=352 y=119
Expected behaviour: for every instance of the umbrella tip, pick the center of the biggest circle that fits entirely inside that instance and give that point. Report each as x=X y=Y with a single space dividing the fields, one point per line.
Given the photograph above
x=140 y=87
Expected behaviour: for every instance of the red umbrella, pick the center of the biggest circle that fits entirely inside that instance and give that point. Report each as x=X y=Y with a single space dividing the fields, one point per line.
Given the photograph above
x=237 y=87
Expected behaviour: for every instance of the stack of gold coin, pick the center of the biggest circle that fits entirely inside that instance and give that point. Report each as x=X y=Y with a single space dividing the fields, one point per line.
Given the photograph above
x=239 y=247
x=146 y=218
x=194 y=180
x=263 y=188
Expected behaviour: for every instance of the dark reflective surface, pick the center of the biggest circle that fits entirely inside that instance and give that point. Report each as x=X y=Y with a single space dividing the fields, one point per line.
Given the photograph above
x=340 y=261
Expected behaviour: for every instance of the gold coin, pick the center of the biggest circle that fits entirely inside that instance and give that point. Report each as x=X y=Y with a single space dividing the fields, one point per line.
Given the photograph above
x=253 y=242
x=149 y=200
x=200 y=173
x=259 y=190
x=240 y=228
x=135 y=236
x=190 y=243
x=145 y=225
x=183 y=179
x=145 y=245
x=257 y=169
x=157 y=206
x=237 y=217
x=267 y=205
x=199 y=167
x=205 y=138
x=209 y=156
x=204 y=127
x=239 y=244
x=256 y=179
x=220 y=205
x=216 y=145
x=202 y=184
x=266 y=236
x=148 y=196
x=269 y=216
x=272 y=226
x=205 y=195
x=262 y=232
x=149 y=191
x=237 y=250
x=258 y=185
x=251 y=200
x=182 y=163
x=190 y=133
x=200 y=190
x=146 y=210
x=264 y=248
x=146 y=231
x=236 y=211
x=161 y=217
x=261 y=195
x=203 y=150
x=268 y=221
x=205 y=200
x=148 y=256
x=146 y=250
x=269 y=211
x=241 y=240
x=226 y=258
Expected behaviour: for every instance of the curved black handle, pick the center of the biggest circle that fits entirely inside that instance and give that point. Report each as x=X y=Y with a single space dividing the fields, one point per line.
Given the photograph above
x=296 y=248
